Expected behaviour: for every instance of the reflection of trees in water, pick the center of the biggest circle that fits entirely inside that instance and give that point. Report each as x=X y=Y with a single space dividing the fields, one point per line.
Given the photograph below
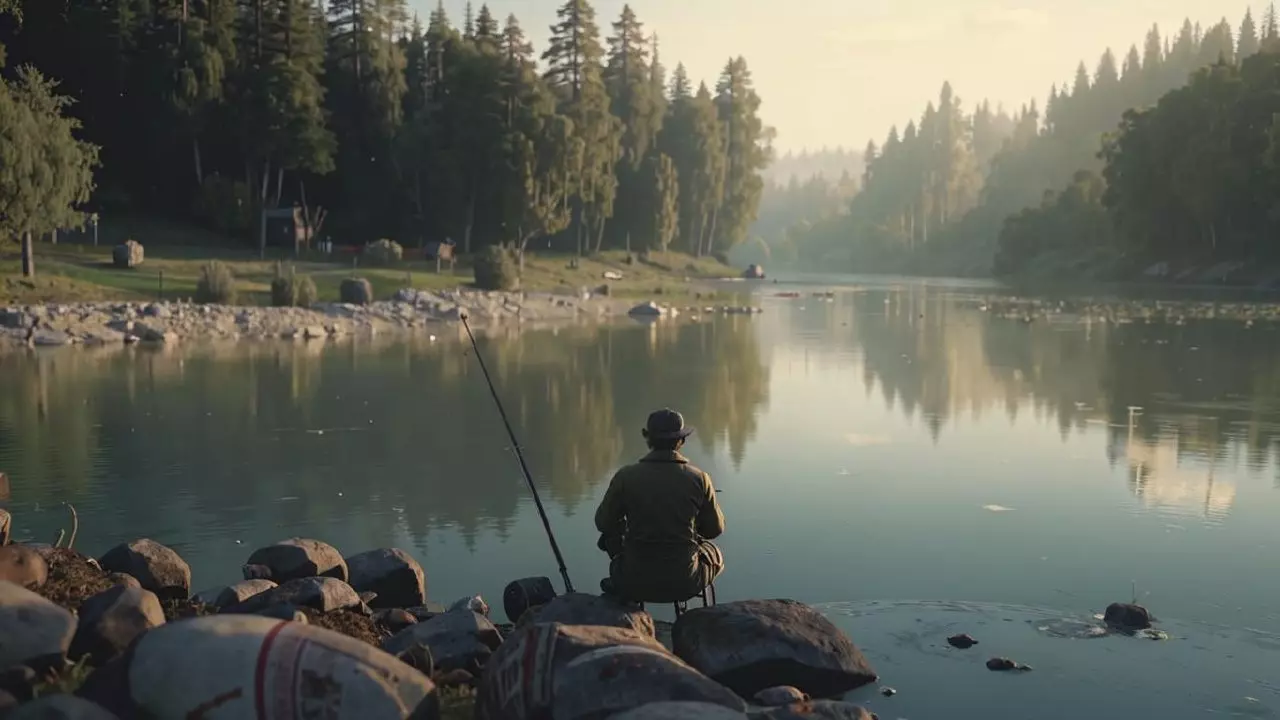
x=218 y=436
x=1210 y=392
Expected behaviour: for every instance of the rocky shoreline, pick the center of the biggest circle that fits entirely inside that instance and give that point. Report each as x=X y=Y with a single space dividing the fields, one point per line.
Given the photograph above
x=123 y=636
x=108 y=323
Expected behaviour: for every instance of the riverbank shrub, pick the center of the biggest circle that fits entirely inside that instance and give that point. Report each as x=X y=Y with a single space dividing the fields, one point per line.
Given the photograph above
x=216 y=284
x=293 y=290
x=356 y=291
x=497 y=268
x=383 y=252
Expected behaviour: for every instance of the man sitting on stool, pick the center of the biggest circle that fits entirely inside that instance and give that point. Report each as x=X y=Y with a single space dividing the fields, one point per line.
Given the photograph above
x=657 y=520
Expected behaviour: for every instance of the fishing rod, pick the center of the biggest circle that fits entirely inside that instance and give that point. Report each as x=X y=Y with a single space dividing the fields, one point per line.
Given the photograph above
x=524 y=467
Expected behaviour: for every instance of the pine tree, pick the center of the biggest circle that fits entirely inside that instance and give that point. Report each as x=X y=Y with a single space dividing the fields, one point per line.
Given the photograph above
x=1132 y=66
x=1248 y=43
x=746 y=152
x=486 y=26
x=681 y=89
x=574 y=72
x=468 y=23
x=515 y=48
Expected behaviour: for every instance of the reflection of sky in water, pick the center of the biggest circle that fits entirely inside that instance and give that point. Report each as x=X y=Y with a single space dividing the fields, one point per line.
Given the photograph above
x=884 y=445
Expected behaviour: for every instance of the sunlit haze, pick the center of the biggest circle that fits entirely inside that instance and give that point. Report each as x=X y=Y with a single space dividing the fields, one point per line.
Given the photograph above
x=835 y=72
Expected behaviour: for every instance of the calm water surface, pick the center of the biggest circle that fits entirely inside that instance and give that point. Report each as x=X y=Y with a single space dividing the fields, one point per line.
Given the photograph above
x=888 y=443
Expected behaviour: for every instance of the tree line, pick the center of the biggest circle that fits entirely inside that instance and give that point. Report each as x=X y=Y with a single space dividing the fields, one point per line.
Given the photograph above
x=213 y=110
x=935 y=196
x=1191 y=181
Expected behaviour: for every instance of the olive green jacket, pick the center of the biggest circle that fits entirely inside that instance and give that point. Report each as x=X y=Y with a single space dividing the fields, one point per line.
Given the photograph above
x=660 y=511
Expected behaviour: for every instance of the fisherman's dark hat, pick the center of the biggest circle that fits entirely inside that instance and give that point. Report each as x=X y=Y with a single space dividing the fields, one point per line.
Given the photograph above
x=666 y=424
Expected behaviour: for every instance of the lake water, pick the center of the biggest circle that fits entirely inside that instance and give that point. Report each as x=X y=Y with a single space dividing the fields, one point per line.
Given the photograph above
x=891 y=443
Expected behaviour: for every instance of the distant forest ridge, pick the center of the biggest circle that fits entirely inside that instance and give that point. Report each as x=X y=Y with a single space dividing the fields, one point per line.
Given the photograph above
x=934 y=194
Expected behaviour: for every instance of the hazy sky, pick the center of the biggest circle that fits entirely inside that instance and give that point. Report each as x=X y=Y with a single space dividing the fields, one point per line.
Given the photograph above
x=838 y=72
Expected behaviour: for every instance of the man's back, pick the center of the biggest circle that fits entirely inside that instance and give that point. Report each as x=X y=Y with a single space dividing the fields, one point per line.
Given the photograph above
x=663 y=508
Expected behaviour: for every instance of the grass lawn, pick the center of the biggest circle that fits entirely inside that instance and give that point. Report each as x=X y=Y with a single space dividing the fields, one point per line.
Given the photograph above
x=74 y=270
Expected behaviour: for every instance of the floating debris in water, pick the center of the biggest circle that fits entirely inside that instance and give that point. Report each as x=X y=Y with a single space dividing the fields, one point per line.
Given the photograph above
x=1005 y=665
x=996 y=508
x=888 y=691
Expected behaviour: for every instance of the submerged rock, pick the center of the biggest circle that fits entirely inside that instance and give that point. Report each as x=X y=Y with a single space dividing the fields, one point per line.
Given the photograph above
x=584 y=672
x=817 y=710
x=35 y=632
x=300 y=558
x=112 y=619
x=1127 y=616
x=243 y=660
x=156 y=567
x=21 y=565
x=963 y=642
x=681 y=710
x=752 y=645
x=392 y=573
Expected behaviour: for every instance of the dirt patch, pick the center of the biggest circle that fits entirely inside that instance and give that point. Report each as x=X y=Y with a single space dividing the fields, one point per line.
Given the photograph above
x=73 y=578
x=349 y=623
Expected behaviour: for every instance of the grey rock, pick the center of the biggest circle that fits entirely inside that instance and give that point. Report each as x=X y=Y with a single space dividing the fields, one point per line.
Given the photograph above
x=817 y=710
x=156 y=311
x=584 y=672
x=324 y=594
x=13 y=318
x=752 y=645
x=459 y=640
x=157 y=568
x=51 y=338
x=61 y=707
x=112 y=619
x=19 y=682
x=646 y=309
x=779 y=696
x=284 y=611
x=394 y=619
x=125 y=579
x=36 y=632
x=427 y=610
x=256 y=572
x=392 y=573
x=474 y=603
x=680 y=710
x=299 y=558
x=234 y=594
x=22 y=565
x=583 y=609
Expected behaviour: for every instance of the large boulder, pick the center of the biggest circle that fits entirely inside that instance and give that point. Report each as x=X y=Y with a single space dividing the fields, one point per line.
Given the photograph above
x=33 y=631
x=234 y=594
x=1127 y=616
x=392 y=573
x=157 y=568
x=752 y=645
x=583 y=609
x=60 y=707
x=324 y=594
x=678 y=710
x=111 y=620
x=521 y=595
x=816 y=710
x=24 y=566
x=459 y=640
x=587 y=672
x=238 y=666
x=299 y=558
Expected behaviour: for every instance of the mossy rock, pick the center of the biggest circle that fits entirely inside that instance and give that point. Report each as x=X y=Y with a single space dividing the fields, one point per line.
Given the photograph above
x=356 y=291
